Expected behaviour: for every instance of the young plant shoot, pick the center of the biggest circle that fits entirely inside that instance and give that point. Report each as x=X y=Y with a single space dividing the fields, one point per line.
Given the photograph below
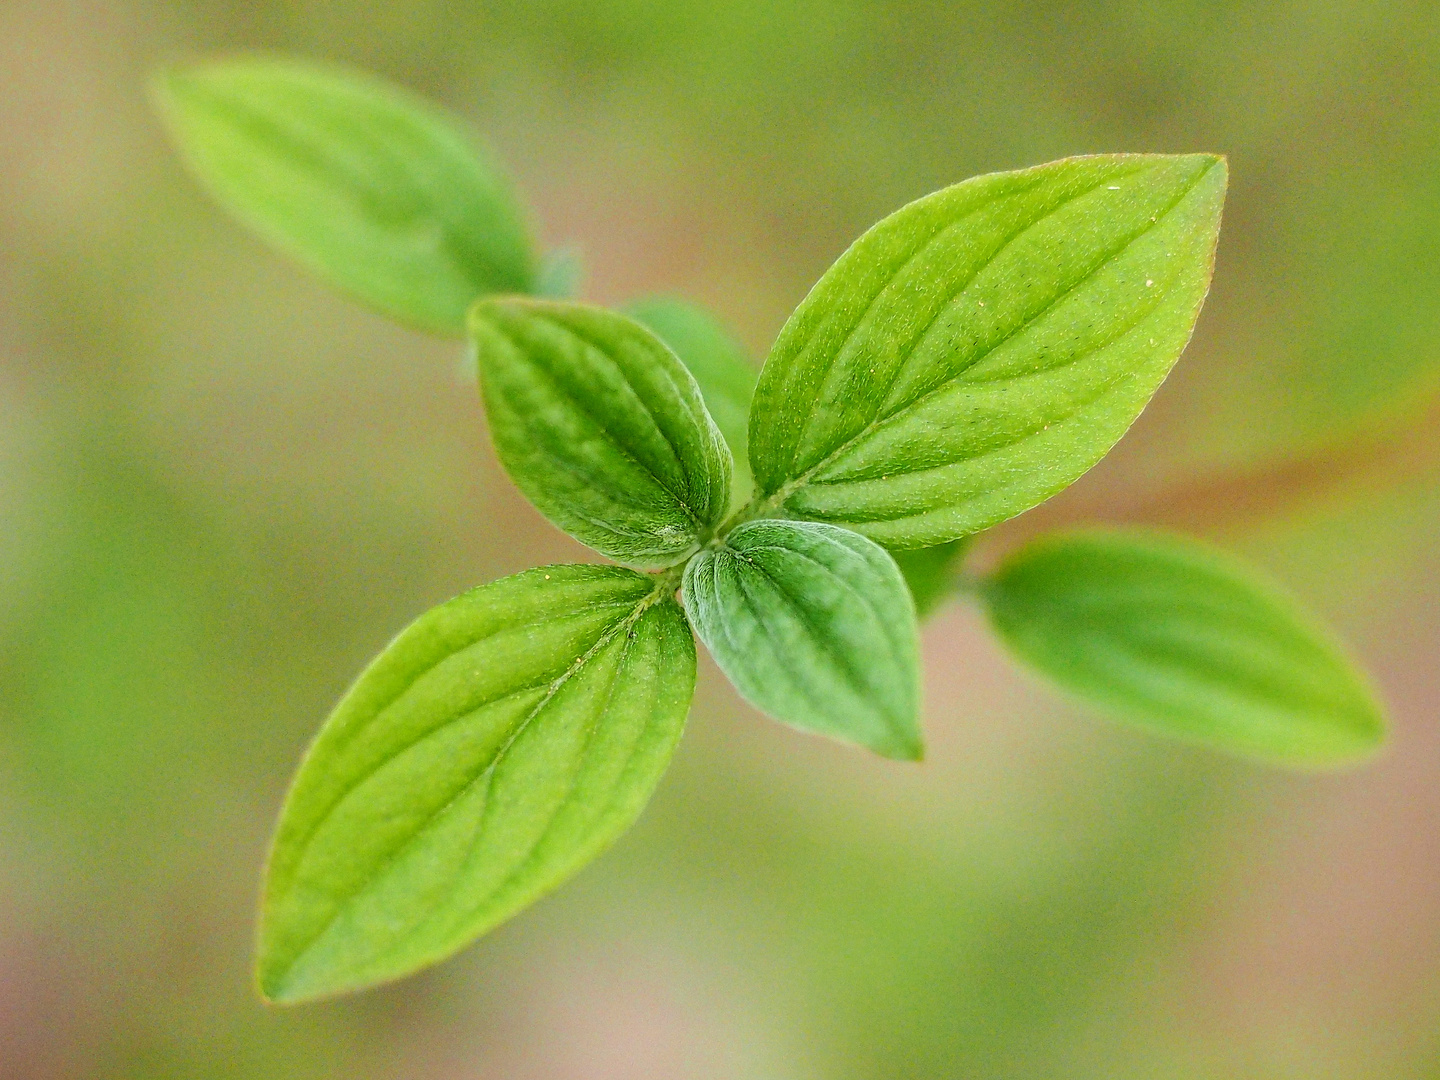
x=968 y=357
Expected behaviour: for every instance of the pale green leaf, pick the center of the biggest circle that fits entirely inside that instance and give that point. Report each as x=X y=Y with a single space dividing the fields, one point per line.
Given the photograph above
x=376 y=191
x=931 y=573
x=725 y=374
x=497 y=745
x=601 y=427
x=977 y=351
x=560 y=274
x=1184 y=641
x=813 y=625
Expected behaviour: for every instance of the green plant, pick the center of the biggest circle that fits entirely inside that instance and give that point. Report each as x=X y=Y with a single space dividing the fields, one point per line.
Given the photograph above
x=968 y=357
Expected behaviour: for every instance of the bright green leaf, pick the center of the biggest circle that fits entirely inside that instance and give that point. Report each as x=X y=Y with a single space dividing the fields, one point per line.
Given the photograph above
x=930 y=573
x=1184 y=641
x=497 y=745
x=376 y=191
x=601 y=427
x=977 y=351
x=813 y=625
x=725 y=374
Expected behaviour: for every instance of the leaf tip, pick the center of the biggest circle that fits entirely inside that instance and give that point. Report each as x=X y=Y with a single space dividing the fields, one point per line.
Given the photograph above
x=1375 y=741
x=479 y=311
x=484 y=322
x=904 y=744
x=270 y=975
x=911 y=752
x=276 y=982
x=270 y=983
x=1364 y=741
x=488 y=312
x=1216 y=174
x=268 y=993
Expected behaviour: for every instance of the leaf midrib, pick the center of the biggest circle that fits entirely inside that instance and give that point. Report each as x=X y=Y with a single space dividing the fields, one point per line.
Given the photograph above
x=837 y=658
x=682 y=501
x=1080 y=405
x=519 y=869
x=918 y=253
x=378 y=711
x=675 y=452
x=619 y=626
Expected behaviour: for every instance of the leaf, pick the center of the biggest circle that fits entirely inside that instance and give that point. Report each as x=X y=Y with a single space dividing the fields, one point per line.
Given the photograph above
x=601 y=427
x=726 y=376
x=977 y=351
x=930 y=573
x=496 y=746
x=1184 y=641
x=813 y=625
x=560 y=274
x=374 y=190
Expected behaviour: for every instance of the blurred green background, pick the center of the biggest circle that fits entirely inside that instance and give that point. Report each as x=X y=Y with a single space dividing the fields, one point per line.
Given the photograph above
x=222 y=489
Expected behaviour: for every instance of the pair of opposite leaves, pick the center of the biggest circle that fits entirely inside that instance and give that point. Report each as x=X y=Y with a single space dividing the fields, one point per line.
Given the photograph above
x=968 y=357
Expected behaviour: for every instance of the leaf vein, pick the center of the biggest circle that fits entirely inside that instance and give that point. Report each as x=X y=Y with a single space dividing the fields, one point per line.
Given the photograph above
x=784 y=494
x=398 y=851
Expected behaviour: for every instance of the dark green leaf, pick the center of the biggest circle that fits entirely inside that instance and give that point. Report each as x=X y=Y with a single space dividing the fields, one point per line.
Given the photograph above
x=497 y=745
x=602 y=427
x=930 y=573
x=976 y=352
x=374 y=190
x=726 y=376
x=813 y=624
x=1187 y=642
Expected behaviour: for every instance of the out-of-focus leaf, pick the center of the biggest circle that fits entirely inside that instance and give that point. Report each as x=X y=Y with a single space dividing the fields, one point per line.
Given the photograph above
x=930 y=572
x=601 y=427
x=497 y=745
x=376 y=191
x=725 y=374
x=560 y=274
x=813 y=624
x=1184 y=641
x=977 y=351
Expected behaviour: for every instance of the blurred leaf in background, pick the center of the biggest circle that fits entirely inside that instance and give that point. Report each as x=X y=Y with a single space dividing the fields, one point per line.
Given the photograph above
x=371 y=188
x=1185 y=641
x=726 y=376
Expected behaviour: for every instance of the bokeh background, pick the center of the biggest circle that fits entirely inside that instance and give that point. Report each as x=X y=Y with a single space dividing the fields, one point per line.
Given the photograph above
x=223 y=488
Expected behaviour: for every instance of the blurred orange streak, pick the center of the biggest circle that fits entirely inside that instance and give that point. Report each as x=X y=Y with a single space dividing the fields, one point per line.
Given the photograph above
x=1380 y=455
